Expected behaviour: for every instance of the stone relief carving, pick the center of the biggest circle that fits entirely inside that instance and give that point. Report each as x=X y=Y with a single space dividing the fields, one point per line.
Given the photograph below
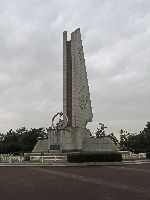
x=83 y=99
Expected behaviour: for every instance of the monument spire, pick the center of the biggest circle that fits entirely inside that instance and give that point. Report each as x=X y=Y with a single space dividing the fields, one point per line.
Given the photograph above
x=76 y=95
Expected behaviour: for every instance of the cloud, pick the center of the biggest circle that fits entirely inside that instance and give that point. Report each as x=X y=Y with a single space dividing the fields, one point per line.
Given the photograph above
x=115 y=37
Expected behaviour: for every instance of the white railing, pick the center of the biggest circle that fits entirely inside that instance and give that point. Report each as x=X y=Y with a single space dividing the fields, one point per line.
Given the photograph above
x=50 y=158
x=53 y=158
x=134 y=156
x=11 y=158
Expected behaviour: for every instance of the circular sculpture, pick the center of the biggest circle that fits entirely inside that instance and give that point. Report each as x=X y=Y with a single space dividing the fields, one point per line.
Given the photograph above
x=59 y=121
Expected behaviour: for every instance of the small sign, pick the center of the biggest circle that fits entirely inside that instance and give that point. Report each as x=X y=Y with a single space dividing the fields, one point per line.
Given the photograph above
x=54 y=147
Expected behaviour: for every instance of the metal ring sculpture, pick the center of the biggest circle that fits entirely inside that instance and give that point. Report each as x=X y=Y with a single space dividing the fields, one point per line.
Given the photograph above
x=62 y=123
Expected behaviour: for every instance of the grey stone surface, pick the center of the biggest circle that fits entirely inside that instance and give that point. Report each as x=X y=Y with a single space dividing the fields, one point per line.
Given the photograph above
x=69 y=139
x=41 y=146
x=81 y=103
x=74 y=139
x=98 y=144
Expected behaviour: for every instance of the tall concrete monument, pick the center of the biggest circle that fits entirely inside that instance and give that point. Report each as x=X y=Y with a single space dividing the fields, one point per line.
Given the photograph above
x=77 y=109
x=76 y=95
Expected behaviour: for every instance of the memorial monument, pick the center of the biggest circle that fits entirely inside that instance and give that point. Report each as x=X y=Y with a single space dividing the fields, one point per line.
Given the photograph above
x=70 y=133
x=76 y=95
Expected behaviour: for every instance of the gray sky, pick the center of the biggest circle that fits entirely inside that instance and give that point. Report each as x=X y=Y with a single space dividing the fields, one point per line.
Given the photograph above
x=116 y=40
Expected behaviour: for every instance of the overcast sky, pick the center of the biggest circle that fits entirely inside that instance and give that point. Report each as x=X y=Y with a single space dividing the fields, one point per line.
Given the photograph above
x=116 y=41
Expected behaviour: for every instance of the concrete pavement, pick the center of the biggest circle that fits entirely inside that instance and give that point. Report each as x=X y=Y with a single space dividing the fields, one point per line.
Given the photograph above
x=122 y=182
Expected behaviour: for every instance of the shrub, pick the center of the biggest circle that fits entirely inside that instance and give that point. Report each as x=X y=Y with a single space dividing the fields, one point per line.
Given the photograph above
x=94 y=157
x=148 y=155
x=141 y=150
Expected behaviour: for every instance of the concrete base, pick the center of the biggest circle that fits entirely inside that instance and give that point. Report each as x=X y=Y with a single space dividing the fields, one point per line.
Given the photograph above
x=69 y=139
x=73 y=140
x=41 y=146
x=98 y=144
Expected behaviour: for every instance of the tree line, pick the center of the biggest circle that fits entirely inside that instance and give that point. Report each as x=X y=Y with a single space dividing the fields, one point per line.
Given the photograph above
x=24 y=140
x=21 y=140
x=137 y=143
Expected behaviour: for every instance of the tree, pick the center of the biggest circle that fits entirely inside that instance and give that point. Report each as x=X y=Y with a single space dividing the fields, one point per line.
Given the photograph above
x=101 y=131
x=10 y=142
x=21 y=140
x=136 y=142
x=29 y=138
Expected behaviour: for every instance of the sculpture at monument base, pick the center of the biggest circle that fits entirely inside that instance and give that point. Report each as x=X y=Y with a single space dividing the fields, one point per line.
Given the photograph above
x=77 y=109
x=72 y=139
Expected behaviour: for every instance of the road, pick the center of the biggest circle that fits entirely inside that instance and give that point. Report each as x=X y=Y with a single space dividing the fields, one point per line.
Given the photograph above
x=127 y=182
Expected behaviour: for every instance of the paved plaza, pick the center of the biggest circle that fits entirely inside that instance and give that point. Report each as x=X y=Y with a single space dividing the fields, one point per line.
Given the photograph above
x=126 y=182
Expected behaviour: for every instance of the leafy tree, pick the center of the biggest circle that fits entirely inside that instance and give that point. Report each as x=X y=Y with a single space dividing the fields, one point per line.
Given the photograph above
x=100 y=131
x=29 y=138
x=21 y=140
x=136 y=142
x=10 y=142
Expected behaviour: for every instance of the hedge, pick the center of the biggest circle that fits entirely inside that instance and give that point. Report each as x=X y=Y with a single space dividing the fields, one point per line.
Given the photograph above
x=141 y=150
x=148 y=155
x=94 y=157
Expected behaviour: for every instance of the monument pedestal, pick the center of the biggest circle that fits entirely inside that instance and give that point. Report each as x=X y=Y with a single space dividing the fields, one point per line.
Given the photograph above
x=73 y=139
x=66 y=140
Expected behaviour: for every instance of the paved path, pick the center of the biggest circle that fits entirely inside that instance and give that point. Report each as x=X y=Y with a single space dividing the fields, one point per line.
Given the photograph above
x=127 y=182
